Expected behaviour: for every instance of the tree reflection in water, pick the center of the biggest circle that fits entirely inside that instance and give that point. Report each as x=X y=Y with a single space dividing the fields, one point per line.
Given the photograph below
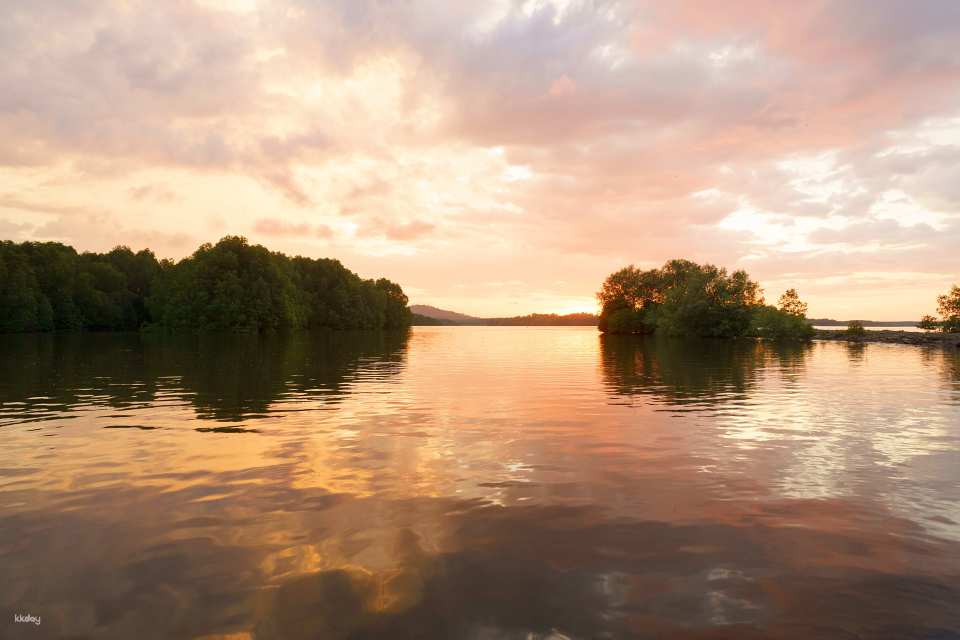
x=691 y=374
x=951 y=367
x=856 y=352
x=224 y=377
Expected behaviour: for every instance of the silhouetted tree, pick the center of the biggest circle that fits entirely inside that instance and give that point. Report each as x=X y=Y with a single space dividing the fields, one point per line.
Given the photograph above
x=856 y=329
x=789 y=321
x=948 y=305
x=231 y=286
x=790 y=303
x=929 y=323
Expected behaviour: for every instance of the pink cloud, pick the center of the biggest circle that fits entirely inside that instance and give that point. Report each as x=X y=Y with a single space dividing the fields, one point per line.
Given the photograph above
x=409 y=231
x=563 y=86
x=278 y=228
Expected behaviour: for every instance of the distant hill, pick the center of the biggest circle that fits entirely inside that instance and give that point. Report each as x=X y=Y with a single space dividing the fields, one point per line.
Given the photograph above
x=442 y=314
x=420 y=320
x=424 y=314
x=427 y=315
x=829 y=322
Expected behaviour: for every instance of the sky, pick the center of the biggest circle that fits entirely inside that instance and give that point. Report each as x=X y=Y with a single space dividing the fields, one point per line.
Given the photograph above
x=500 y=157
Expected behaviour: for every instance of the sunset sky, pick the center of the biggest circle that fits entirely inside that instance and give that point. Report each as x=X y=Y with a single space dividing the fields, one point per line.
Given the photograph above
x=500 y=158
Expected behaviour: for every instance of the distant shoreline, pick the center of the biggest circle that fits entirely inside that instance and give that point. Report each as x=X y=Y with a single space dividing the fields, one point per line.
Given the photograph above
x=889 y=324
x=892 y=337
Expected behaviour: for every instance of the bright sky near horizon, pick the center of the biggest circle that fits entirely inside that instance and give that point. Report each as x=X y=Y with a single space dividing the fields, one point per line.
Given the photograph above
x=499 y=157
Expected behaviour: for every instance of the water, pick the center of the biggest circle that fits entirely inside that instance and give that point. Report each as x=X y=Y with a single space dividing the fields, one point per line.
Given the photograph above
x=479 y=483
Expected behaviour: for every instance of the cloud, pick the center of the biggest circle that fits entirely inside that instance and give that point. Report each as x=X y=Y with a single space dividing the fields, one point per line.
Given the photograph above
x=157 y=193
x=408 y=231
x=643 y=129
x=18 y=204
x=277 y=227
x=563 y=86
x=103 y=231
x=11 y=229
x=876 y=234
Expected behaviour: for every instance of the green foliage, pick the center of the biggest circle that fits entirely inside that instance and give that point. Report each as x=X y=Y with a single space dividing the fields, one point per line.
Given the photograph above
x=334 y=297
x=929 y=323
x=856 y=329
x=396 y=313
x=231 y=286
x=791 y=304
x=948 y=305
x=786 y=321
x=778 y=324
x=629 y=321
x=681 y=298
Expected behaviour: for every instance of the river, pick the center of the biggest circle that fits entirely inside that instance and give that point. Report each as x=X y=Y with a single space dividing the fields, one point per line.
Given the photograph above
x=479 y=483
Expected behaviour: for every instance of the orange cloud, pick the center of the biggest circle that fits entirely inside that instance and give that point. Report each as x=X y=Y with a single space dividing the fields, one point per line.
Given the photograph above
x=563 y=86
x=279 y=228
x=409 y=231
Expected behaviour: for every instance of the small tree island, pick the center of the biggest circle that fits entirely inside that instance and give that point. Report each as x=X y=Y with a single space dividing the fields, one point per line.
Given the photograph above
x=684 y=298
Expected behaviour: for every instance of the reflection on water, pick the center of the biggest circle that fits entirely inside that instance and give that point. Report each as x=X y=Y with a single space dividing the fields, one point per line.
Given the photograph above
x=477 y=482
x=856 y=351
x=224 y=377
x=701 y=373
x=951 y=368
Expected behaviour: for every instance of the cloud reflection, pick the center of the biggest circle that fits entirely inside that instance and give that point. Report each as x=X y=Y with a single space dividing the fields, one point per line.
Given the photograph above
x=276 y=562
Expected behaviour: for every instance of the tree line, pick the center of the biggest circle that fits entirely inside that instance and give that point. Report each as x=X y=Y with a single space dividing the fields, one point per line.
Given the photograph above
x=228 y=286
x=688 y=299
x=531 y=320
x=545 y=320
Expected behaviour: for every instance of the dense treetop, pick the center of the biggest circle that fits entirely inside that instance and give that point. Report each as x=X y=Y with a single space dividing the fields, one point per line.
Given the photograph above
x=229 y=286
x=685 y=298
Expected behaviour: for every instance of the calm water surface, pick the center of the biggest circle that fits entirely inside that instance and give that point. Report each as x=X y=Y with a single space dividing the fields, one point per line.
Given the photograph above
x=480 y=483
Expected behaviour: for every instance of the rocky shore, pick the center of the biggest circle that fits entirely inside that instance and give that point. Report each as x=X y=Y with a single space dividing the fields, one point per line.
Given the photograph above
x=949 y=340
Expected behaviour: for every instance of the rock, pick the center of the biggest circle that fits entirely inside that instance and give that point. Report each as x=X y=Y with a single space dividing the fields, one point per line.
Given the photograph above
x=892 y=337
